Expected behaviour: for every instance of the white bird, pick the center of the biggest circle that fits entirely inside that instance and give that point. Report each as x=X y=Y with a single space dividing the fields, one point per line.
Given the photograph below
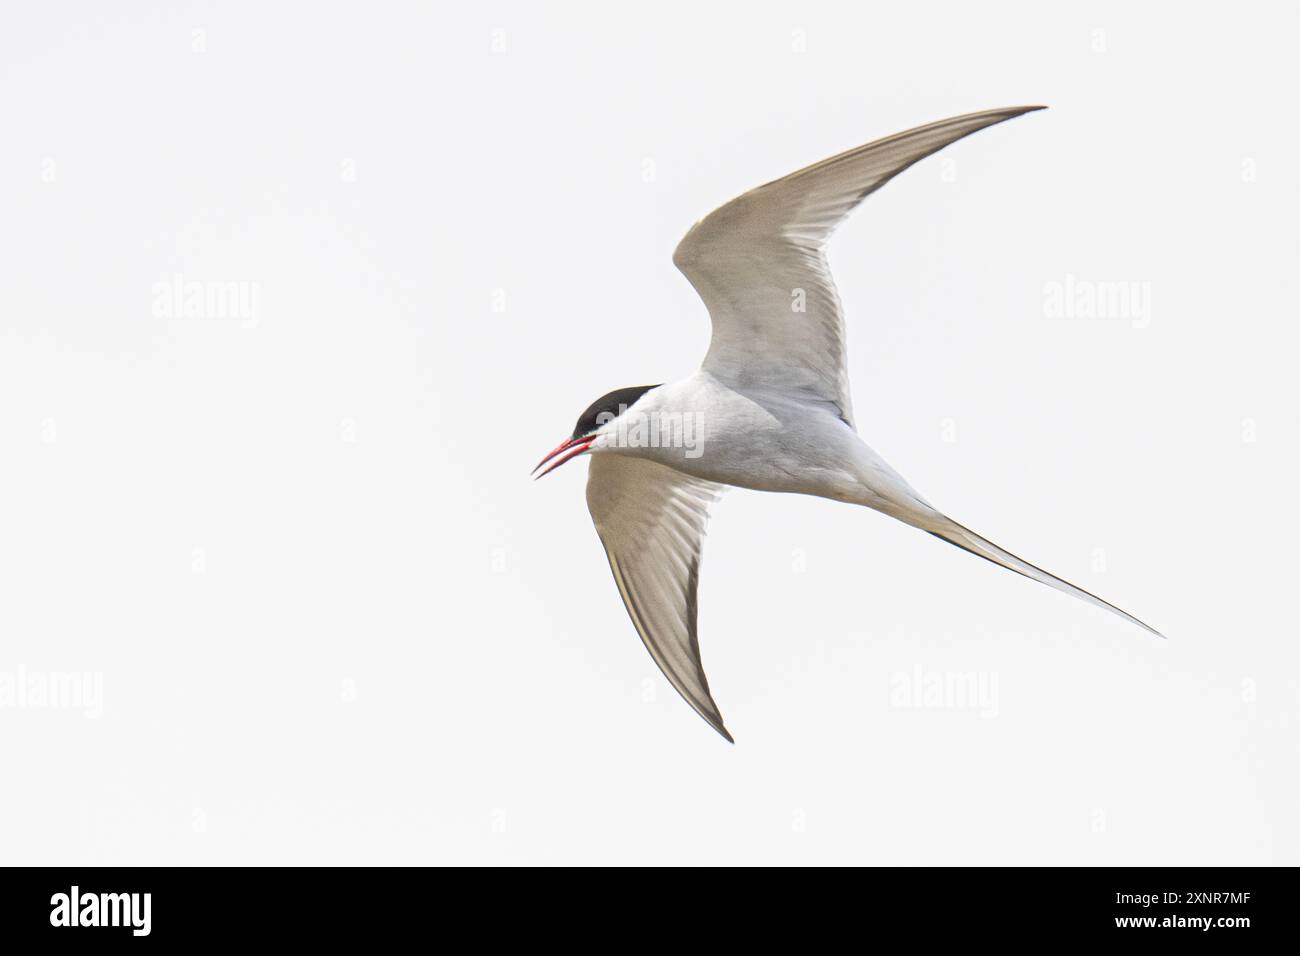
x=769 y=408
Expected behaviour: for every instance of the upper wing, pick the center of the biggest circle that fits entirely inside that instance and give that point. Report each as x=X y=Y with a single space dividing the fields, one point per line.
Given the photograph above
x=758 y=260
x=651 y=520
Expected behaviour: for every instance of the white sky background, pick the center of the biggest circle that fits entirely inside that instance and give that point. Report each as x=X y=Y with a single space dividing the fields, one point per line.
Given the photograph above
x=334 y=621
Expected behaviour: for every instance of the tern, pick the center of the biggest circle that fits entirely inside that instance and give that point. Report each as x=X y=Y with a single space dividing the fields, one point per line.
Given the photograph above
x=769 y=409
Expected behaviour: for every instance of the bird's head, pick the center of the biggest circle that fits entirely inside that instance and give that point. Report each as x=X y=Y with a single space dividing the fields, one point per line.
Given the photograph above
x=599 y=413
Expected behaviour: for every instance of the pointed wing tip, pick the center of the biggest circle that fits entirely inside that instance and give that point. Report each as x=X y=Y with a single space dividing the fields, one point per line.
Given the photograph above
x=713 y=718
x=723 y=732
x=1011 y=112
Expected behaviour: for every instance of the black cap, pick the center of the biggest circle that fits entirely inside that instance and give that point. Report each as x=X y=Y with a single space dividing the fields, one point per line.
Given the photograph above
x=610 y=406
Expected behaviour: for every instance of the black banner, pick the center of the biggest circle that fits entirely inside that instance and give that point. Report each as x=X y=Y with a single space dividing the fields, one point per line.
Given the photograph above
x=1174 y=906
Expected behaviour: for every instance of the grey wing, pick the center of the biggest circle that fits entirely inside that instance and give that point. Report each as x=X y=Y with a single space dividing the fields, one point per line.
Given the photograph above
x=651 y=520
x=758 y=264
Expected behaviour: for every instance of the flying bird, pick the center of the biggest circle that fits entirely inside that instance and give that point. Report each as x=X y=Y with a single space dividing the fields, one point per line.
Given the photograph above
x=769 y=409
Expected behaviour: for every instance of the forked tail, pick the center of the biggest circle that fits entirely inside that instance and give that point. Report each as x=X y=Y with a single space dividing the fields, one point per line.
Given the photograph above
x=950 y=531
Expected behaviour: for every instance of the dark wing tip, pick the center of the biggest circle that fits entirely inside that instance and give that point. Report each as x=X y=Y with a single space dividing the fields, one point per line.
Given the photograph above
x=1012 y=112
x=712 y=716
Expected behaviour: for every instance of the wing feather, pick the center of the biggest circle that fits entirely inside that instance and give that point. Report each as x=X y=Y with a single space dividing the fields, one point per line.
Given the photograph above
x=651 y=520
x=759 y=266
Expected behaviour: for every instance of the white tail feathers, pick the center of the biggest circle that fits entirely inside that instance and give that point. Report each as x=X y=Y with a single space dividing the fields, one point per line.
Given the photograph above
x=950 y=531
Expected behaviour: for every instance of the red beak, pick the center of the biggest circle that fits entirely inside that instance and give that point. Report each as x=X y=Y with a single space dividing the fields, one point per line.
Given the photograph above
x=574 y=447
